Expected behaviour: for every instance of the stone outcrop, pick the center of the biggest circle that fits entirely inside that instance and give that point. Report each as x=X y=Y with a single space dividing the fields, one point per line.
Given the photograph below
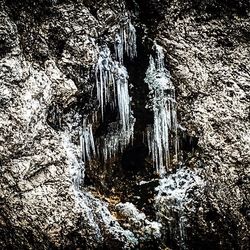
x=52 y=198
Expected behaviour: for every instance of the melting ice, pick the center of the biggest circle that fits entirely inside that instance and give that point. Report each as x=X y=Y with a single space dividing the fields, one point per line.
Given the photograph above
x=163 y=105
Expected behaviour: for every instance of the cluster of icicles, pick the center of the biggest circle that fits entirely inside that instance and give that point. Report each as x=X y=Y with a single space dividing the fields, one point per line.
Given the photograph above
x=163 y=105
x=113 y=89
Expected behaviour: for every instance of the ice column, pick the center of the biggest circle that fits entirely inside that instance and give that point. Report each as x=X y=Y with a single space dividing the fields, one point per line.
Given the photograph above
x=163 y=105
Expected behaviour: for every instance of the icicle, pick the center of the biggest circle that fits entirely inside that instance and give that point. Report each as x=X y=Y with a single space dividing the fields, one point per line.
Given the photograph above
x=125 y=40
x=163 y=105
x=104 y=77
x=113 y=88
x=118 y=48
x=116 y=141
x=87 y=143
x=123 y=96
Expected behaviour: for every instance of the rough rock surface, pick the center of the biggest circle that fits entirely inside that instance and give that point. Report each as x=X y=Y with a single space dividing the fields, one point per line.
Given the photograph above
x=48 y=53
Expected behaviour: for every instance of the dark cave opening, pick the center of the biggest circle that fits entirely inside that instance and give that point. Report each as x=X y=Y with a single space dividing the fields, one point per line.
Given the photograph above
x=120 y=176
x=188 y=143
x=133 y=158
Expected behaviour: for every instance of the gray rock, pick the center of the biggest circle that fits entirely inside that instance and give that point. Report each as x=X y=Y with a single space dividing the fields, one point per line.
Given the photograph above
x=48 y=54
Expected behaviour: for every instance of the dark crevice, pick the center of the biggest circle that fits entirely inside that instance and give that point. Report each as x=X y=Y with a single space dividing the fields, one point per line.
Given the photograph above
x=121 y=175
x=188 y=143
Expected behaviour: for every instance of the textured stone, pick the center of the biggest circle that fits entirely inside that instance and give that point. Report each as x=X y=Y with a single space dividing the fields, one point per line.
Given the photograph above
x=48 y=53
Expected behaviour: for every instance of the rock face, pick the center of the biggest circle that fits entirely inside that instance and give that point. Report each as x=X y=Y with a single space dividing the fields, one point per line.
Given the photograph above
x=74 y=178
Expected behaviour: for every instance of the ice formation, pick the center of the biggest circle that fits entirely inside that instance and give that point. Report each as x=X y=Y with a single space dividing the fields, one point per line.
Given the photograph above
x=87 y=143
x=112 y=85
x=163 y=105
x=104 y=77
x=123 y=98
x=76 y=166
x=125 y=40
x=113 y=88
x=118 y=48
x=78 y=156
x=116 y=141
x=94 y=211
x=173 y=201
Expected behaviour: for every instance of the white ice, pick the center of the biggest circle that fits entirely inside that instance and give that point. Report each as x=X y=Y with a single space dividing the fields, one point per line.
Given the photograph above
x=163 y=105
x=112 y=83
x=125 y=40
x=172 y=200
x=87 y=143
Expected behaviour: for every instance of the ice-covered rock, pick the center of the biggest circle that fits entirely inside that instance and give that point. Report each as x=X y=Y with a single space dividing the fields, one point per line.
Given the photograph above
x=172 y=201
x=138 y=222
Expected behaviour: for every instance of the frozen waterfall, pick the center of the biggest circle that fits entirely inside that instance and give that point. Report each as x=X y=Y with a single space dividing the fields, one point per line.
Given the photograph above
x=163 y=105
x=112 y=84
x=117 y=85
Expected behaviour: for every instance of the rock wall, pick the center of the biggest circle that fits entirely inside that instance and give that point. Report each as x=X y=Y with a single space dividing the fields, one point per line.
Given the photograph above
x=51 y=198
